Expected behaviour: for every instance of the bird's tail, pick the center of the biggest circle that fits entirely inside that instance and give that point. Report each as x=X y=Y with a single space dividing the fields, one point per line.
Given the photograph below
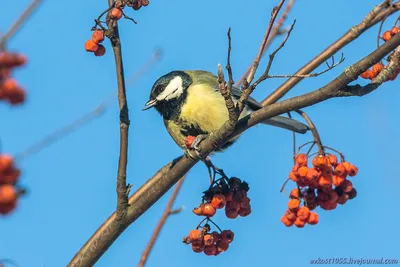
x=288 y=124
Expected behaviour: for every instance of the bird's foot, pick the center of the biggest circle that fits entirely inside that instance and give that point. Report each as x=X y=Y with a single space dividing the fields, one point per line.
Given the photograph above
x=193 y=143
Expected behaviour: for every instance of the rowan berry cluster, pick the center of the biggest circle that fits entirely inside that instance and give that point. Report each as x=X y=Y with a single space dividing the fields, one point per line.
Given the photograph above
x=211 y=243
x=377 y=68
x=10 y=90
x=94 y=45
x=9 y=193
x=230 y=194
x=325 y=184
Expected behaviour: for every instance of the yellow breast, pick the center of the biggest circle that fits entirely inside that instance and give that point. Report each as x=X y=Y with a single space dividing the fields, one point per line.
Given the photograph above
x=204 y=107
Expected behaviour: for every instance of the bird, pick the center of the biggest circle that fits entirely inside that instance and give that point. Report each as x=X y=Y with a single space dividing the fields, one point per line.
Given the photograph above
x=191 y=105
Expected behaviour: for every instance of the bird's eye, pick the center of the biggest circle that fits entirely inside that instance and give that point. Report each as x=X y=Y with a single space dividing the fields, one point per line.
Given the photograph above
x=159 y=88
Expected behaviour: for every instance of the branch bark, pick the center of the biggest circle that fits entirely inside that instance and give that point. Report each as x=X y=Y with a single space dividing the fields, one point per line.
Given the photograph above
x=170 y=174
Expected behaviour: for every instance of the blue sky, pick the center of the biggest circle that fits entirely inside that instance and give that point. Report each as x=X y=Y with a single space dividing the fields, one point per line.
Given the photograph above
x=72 y=183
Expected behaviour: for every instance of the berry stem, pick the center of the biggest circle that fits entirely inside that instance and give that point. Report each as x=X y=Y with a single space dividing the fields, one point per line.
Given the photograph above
x=211 y=221
x=314 y=131
x=337 y=151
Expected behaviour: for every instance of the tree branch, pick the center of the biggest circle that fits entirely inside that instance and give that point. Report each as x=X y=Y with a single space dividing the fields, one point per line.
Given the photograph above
x=122 y=196
x=170 y=174
x=375 y=16
x=167 y=212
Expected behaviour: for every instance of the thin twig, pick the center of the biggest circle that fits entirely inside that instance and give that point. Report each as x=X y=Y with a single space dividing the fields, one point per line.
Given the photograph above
x=167 y=212
x=276 y=30
x=314 y=131
x=375 y=16
x=86 y=118
x=18 y=23
x=257 y=60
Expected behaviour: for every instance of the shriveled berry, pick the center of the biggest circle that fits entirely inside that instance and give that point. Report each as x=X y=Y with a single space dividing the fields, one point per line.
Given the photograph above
x=243 y=212
x=198 y=247
x=208 y=239
x=347 y=186
x=211 y=250
x=222 y=246
x=352 y=193
x=226 y=236
x=101 y=50
x=196 y=236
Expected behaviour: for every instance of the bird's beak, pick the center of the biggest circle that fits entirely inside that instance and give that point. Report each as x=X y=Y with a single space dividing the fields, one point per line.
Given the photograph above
x=151 y=103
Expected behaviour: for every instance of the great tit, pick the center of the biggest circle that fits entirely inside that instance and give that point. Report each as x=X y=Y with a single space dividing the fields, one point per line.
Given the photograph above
x=191 y=105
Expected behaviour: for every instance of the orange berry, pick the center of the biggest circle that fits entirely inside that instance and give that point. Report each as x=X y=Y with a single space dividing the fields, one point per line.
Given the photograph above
x=208 y=239
x=211 y=250
x=198 y=247
x=6 y=161
x=116 y=13
x=301 y=160
x=226 y=236
x=387 y=35
x=91 y=46
x=196 y=236
x=293 y=204
x=299 y=223
x=295 y=193
x=395 y=30
x=98 y=36
x=198 y=211
x=303 y=171
x=347 y=186
x=325 y=181
x=294 y=177
x=353 y=170
x=222 y=246
x=286 y=221
x=101 y=50
x=366 y=74
x=313 y=218
x=290 y=215
x=303 y=213
x=320 y=161
x=313 y=174
x=11 y=60
x=208 y=210
x=378 y=67
x=8 y=194
x=332 y=159
x=218 y=201
x=145 y=2
x=340 y=170
x=337 y=180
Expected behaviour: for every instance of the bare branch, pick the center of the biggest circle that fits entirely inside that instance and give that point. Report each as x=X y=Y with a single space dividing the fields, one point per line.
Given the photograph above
x=276 y=30
x=375 y=16
x=311 y=125
x=256 y=61
x=18 y=23
x=167 y=212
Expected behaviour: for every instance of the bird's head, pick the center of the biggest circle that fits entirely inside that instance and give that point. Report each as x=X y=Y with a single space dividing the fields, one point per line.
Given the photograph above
x=169 y=91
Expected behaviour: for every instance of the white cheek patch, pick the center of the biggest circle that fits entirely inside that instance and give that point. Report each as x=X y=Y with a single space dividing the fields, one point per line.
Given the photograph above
x=173 y=90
